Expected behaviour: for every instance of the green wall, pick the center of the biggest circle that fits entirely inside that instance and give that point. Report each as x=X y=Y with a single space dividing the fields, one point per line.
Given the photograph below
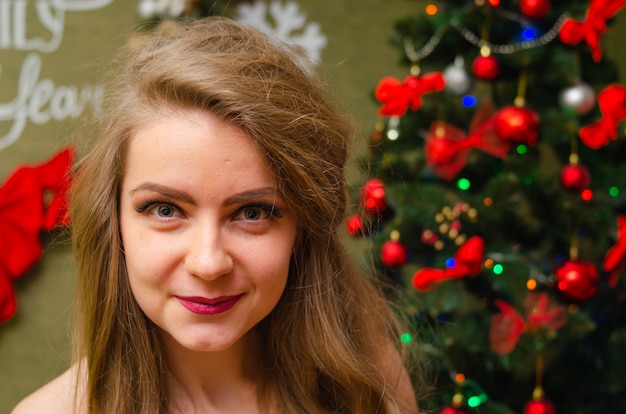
x=34 y=346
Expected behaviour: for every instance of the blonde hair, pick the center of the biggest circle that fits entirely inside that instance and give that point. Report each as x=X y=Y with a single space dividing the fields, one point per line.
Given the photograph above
x=326 y=338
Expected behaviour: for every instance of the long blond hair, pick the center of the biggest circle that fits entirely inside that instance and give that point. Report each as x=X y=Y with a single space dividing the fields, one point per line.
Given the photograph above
x=325 y=337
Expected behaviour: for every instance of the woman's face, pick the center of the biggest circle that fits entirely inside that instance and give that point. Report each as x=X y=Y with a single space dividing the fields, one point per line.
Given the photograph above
x=207 y=237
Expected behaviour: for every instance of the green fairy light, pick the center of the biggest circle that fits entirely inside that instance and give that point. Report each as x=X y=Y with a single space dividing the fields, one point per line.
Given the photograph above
x=613 y=191
x=463 y=184
x=498 y=269
x=477 y=400
x=473 y=393
x=521 y=149
x=406 y=338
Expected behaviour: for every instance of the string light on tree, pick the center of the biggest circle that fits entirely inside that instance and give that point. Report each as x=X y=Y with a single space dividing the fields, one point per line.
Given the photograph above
x=480 y=142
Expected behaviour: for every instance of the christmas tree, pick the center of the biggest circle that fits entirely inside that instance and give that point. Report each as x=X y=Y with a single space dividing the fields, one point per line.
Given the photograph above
x=496 y=197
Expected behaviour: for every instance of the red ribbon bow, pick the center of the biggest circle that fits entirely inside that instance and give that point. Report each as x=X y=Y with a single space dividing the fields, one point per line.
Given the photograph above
x=614 y=258
x=397 y=96
x=468 y=261
x=573 y=32
x=25 y=210
x=447 y=147
x=507 y=326
x=612 y=103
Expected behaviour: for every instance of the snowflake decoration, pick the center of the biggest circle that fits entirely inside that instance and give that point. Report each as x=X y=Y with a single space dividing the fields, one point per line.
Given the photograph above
x=149 y=9
x=290 y=25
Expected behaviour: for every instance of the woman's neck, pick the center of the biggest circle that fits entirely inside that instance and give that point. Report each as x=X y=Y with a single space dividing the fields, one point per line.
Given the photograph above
x=225 y=381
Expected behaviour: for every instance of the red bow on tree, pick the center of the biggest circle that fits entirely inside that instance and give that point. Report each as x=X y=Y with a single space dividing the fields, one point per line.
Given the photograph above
x=31 y=200
x=573 y=32
x=397 y=96
x=507 y=326
x=612 y=103
x=467 y=261
x=447 y=147
x=614 y=258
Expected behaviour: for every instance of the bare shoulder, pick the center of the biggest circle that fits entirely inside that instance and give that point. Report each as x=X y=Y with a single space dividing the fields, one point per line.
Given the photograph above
x=57 y=396
x=398 y=377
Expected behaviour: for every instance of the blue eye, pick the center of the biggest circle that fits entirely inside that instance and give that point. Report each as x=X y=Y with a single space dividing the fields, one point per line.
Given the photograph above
x=257 y=212
x=164 y=211
x=252 y=213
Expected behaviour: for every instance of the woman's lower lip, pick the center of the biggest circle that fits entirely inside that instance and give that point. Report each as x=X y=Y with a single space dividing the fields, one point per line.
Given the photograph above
x=203 y=306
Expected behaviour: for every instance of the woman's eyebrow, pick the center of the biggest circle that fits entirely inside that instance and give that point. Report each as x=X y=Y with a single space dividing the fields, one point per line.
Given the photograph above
x=164 y=190
x=239 y=198
x=250 y=195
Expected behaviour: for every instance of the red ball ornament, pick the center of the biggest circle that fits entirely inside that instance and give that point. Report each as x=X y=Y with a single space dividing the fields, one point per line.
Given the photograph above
x=535 y=9
x=517 y=125
x=540 y=406
x=373 y=196
x=577 y=280
x=393 y=253
x=486 y=67
x=455 y=410
x=575 y=177
x=354 y=225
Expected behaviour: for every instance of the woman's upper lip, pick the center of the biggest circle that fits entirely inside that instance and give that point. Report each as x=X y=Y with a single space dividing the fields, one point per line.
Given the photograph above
x=210 y=301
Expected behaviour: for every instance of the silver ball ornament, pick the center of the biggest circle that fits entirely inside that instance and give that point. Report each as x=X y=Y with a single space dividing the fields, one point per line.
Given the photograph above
x=457 y=79
x=580 y=97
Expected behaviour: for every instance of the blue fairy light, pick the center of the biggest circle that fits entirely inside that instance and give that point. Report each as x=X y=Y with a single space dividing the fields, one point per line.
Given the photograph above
x=529 y=33
x=469 y=101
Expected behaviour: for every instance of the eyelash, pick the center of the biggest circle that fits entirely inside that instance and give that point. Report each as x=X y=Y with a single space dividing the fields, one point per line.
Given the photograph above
x=271 y=209
x=147 y=205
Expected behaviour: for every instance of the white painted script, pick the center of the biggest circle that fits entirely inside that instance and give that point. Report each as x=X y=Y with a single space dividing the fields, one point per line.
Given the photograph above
x=38 y=100
x=14 y=32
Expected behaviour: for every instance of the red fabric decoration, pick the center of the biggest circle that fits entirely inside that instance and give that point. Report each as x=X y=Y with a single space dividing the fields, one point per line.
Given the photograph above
x=24 y=213
x=508 y=325
x=542 y=312
x=447 y=147
x=612 y=103
x=599 y=11
x=506 y=328
x=8 y=302
x=614 y=258
x=397 y=96
x=468 y=261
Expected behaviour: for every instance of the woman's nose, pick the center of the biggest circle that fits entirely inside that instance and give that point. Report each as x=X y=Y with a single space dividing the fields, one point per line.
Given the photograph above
x=208 y=256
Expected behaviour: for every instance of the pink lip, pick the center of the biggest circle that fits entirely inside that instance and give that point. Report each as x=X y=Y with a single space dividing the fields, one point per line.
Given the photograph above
x=208 y=306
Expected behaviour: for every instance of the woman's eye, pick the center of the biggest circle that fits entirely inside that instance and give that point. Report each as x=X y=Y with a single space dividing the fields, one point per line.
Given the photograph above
x=257 y=213
x=164 y=211
x=252 y=214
